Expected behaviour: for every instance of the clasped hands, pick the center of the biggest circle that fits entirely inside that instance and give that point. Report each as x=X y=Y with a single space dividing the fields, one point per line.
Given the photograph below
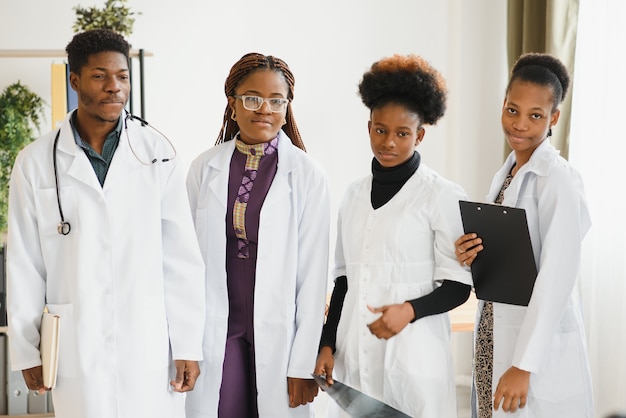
x=393 y=319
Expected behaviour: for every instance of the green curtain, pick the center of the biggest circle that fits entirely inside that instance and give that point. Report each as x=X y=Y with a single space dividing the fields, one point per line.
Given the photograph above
x=545 y=26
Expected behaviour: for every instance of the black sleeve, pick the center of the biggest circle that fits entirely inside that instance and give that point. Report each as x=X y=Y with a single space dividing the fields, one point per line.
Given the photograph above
x=329 y=332
x=444 y=298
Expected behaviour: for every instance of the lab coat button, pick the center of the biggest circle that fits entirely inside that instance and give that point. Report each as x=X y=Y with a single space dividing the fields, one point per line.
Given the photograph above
x=108 y=340
x=107 y=292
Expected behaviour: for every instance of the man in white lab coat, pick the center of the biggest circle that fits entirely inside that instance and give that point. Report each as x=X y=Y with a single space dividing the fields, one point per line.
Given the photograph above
x=122 y=268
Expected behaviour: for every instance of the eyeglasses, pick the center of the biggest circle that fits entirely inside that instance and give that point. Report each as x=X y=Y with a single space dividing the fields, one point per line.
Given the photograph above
x=253 y=103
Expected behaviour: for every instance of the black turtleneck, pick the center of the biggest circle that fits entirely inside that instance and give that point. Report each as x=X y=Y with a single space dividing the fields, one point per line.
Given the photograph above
x=386 y=183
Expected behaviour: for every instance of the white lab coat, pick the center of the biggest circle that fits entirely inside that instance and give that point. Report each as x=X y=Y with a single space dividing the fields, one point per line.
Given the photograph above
x=547 y=337
x=398 y=252
x=291 y=275
x=127 y=281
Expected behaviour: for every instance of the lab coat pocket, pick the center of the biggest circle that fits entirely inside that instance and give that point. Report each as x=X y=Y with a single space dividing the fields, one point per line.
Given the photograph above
x=563 y=373
x=67 y=339
x=417 y=352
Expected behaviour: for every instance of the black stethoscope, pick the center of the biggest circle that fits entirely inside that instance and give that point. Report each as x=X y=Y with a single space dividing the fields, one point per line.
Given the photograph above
x=64 y=227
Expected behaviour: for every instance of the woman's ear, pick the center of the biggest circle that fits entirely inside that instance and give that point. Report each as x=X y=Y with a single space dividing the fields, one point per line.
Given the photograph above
x=231 y=103
x=420 y=135
x=554 y=118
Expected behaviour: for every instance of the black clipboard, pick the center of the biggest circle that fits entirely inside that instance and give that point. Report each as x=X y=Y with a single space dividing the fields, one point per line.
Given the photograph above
x=504 y=271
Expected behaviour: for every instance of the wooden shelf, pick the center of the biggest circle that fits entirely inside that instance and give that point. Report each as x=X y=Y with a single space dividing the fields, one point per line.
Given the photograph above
x=60 y=53
x=463 y=317
x=54 y=53
x=28 y=416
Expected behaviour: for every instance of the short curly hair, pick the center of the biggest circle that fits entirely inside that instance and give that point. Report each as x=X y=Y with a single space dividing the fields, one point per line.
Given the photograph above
x=408 y=80
x=545 y=70
x=92 y=42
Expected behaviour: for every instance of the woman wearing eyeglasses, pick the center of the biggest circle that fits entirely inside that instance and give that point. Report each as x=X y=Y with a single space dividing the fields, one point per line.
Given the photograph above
x=261 y=210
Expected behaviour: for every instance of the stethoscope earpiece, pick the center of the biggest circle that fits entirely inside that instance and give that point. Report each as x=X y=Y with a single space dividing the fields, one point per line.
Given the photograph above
x=130 y=116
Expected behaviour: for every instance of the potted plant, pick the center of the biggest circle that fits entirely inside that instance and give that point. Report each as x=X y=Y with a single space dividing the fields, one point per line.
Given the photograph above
x=20 y=111
x=115 y=15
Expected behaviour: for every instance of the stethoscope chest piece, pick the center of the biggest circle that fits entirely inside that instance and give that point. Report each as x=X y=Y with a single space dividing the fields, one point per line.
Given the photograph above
x=64 y=228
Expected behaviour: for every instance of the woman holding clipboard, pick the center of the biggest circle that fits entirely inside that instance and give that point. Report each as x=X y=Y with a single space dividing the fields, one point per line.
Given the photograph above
x=531 y=361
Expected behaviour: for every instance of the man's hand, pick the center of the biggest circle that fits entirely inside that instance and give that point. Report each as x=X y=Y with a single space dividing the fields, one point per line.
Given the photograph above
x=301 y=391
x=34 y=379
x=187 y=371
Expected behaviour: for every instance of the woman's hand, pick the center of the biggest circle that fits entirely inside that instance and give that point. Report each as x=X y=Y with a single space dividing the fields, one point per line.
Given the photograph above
x=301 y=391
x=393 y=319
x=467 y=247
x=325 y=364
x=512 y=390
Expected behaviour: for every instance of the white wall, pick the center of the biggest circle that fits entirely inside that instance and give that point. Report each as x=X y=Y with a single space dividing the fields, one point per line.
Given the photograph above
x=328 y=45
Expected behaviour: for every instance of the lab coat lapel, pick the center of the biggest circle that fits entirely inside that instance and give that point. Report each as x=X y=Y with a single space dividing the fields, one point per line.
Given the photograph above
x=539 y=165
x=286 y=164
x=79 y=166
x=123 y=163
x=218 y=183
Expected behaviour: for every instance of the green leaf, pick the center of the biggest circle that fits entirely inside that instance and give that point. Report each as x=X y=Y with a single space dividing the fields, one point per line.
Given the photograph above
x=21 y=110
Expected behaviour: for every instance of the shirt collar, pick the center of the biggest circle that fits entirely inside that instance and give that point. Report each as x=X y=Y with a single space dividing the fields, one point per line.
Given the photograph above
x=264 y=148
x=114 y=134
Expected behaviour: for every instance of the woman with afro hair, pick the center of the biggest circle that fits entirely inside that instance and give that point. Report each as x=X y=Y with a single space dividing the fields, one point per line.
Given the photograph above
x=387 y=332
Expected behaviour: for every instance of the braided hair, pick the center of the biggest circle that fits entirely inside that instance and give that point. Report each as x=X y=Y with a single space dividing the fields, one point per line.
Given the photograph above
x=407 y=80
x=246 y=65
x=92 y=42
x=545 y=70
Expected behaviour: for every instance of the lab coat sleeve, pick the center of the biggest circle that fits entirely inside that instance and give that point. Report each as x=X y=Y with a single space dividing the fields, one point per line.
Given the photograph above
x=447 y=227
x=563 y=221
x=312 y=276
x=340 y=261
x=26 y=281
x=183 y=270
